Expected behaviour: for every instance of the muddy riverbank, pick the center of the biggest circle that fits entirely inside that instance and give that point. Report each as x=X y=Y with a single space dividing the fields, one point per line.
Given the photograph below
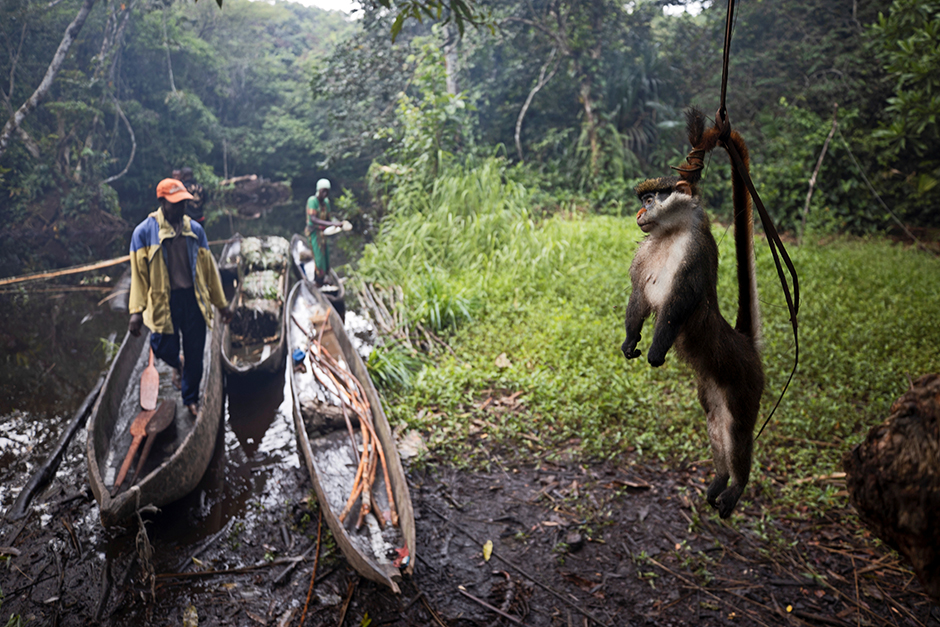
x=613 y=544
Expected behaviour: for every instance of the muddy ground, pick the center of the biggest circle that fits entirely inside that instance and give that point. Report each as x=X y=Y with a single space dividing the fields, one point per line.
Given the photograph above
x=577 y=545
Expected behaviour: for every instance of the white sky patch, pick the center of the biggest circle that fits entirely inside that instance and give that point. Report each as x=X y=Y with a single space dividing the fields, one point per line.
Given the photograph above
x=346 y=6
x=693 y=8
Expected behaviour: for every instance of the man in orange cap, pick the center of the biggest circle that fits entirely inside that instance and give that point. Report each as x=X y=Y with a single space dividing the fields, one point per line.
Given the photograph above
x=174 y=285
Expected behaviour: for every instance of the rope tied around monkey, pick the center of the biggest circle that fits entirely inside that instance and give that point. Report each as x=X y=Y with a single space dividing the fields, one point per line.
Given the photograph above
x=694 y=163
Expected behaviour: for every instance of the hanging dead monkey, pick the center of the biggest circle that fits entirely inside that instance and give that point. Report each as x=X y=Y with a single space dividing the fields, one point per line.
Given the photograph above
x=674 y=275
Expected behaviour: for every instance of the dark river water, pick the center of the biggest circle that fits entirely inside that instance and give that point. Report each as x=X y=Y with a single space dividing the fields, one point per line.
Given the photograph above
x=57 y=339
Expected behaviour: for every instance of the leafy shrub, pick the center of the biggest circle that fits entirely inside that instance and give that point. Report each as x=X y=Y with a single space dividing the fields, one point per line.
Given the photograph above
x=393 y=366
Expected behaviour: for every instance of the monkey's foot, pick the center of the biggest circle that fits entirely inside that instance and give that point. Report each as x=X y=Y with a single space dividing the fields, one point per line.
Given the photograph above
x=727 y=499
x=715 y=488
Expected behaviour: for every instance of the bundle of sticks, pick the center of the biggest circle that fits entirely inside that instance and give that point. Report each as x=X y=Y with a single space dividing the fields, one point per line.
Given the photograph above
x=352 y=397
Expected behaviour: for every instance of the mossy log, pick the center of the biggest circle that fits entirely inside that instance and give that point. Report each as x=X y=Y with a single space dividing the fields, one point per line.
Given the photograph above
x=893 y=478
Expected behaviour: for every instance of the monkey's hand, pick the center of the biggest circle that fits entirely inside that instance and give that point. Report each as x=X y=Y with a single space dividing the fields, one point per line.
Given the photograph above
x=629 y=348
x=657 y=354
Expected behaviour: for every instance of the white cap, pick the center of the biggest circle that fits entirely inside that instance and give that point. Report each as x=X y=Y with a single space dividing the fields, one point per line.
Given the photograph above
x=323 y=184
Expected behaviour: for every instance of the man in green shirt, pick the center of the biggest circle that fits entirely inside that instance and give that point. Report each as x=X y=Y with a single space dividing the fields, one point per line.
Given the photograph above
x=319 y=225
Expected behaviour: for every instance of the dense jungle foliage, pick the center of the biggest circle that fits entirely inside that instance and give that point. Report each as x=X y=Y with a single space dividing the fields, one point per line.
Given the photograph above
x=498 y=154
x=587 y=96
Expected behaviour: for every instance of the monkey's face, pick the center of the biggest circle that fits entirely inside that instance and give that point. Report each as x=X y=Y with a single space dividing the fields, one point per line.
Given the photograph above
x=664 y=208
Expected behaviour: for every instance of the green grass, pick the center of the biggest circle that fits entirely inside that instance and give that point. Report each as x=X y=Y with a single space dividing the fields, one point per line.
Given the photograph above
x=551 y=296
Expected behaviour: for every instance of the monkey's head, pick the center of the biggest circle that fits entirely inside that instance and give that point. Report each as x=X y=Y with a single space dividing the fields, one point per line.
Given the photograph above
x=665 y=203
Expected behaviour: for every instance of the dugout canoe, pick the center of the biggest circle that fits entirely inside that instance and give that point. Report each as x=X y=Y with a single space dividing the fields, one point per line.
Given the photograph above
x=325 y=444
x=243 y=353
x=180 y=454
x=304 y=266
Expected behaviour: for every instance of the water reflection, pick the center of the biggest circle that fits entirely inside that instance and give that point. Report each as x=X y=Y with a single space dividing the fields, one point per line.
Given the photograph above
x=44 y=378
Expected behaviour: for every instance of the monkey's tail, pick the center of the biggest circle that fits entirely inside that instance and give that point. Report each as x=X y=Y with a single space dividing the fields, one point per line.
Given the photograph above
x=748 y=321
x=704 y=141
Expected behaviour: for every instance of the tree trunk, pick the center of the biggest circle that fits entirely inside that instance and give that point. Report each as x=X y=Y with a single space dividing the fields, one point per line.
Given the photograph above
x=451 y=37
x=543 y=80
x=71 y=32
x=592 y=124
x=130 y=131
x=166 y=45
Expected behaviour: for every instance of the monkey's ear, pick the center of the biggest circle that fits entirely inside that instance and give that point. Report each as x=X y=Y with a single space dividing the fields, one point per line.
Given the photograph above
x=683 y=187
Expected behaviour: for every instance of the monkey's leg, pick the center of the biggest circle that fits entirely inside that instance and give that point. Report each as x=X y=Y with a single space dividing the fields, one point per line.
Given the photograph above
x=740 y=456
x=719 y=417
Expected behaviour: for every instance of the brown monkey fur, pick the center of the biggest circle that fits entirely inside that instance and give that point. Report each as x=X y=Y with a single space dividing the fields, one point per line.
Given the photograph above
x=674 y=275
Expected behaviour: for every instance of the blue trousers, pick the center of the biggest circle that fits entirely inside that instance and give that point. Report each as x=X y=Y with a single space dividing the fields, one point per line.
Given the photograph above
x=187 y=318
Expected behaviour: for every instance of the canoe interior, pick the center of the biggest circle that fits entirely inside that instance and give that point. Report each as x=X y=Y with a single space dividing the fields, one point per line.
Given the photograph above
x=179 y=455
x=302 y=256
x=248 y=354
x=166 y=442
x=325 y=443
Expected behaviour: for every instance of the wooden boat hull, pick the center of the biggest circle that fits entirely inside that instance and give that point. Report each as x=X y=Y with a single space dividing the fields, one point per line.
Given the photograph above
x=272 y=362
x=328 y=455
x=180 y=456
x=298 y=245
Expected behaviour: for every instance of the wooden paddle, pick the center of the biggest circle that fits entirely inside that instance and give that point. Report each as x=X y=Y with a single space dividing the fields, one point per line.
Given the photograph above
x=149 y=385
x=138 y=430
x=160 y=421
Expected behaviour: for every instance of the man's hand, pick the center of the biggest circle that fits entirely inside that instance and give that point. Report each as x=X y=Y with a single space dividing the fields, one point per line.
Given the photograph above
x=135 y=323
x=225 y=313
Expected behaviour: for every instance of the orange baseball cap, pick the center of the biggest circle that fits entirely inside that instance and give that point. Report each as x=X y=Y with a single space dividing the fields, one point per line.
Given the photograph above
x=172 y=190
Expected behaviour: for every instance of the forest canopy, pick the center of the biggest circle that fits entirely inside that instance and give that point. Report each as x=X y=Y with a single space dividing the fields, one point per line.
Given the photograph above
x=585 y=96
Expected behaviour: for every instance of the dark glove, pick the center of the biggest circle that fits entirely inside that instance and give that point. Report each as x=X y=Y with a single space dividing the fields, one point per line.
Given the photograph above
x=135 y=323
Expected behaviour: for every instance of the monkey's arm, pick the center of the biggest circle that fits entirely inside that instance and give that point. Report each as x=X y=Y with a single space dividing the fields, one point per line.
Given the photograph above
x=672 y=317
x=638 y=310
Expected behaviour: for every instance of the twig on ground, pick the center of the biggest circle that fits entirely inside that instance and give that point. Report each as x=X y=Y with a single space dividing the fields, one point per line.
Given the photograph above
x=692 y=584
x=316 y=561
x=349 y=595
x=819 y=618
x=106 y=581
x=224 y=571
x=75 y=542
x=833 y=476
x=551 y=591
x=205 y=545
x=858 y=598
x=861 y=606
x=294 y=561
x=900 y=608
x=431 y=611
x=508 y=617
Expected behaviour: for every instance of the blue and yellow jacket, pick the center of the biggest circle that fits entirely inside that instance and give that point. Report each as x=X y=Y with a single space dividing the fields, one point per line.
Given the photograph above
x=150 y=279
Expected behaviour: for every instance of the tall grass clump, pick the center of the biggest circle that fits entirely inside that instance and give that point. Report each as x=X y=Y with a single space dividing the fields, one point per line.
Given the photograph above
x=393 y=366
x=449 y=245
